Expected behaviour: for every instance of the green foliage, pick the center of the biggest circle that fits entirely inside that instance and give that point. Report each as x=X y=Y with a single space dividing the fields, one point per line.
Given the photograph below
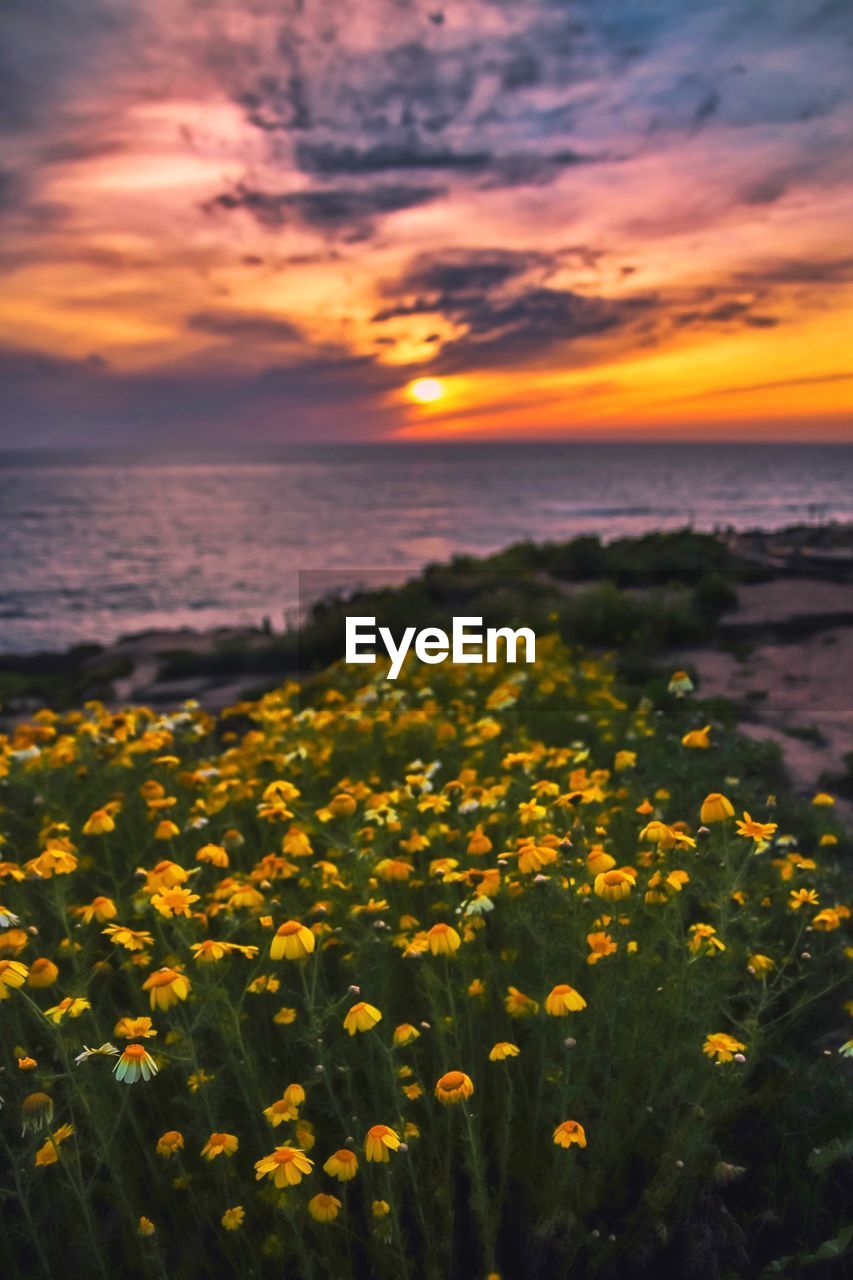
x=687 y=1160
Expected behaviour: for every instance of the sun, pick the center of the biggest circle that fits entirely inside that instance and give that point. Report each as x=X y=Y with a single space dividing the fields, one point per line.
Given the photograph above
x=426 y=390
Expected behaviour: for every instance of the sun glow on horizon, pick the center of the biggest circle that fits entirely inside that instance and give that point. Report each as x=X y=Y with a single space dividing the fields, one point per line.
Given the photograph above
x=426 y=390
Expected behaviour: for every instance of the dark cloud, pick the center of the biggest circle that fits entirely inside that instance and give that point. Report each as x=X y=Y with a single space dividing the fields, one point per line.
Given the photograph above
x=443 y=283
x=503 y=305
x=245 y=326
x=725 y=313
x=830 y=271
x=331 y=159
x=528 y=324
x=489 y=169
x=324 y=209
x=508 y=306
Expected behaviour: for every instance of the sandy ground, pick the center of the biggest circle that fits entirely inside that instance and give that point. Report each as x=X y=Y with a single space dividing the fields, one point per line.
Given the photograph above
x=786 y=687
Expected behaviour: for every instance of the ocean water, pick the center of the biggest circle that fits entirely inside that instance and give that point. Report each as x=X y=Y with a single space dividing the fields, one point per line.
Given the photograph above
x=92 y=549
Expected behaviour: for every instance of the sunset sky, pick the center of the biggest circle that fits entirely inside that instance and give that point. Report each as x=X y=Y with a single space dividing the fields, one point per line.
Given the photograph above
x=260 y=221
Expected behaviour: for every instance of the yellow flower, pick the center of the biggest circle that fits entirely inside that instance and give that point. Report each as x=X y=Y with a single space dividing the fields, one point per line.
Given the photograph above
x=827 y=920
x=753 y=830
x=100 y=909
x=166 y=830
x=716 y=808
x=285 y=1016
x=165 y=875
x=296 y=844
x=703 y=940
x=292 y=941
x=145 y=1227
x=169 y=1144
x=287 y=1106
x=303 y=1131
x=454 y=1086
x=379 y=1208
x=394 y=869
x=378 y=1142
x=166 y=987
x=760 y=965
x=530 y=811
x=220 y=1144
x=342 y=1164
x=210 y=951
x=823 y=800
x=721 y=1046
x=174 y=902
x=232 y=1219
x=563 y=1000
x=597 y=860
x=342 y=805
x=657 y=832
x=27 y=1064
x=361 y=1017
x=13 y=974
x=130 y=939
x=48 y=1153
x=502 y=1050
x=323 y=1207
x=99 y=823
x=134 y=1029
x=71 y=1006
x=443 y=940
x=215 y=855
x=478 y=843
x=405 y=1034
x=801 y=897
x=533 y=857
x=600 y=945
x=615 y=884
x=697 y=739
x=286 y=1166
x=134 y=1063
x=569 y=1133
x=518 y=1005
x=53 y=862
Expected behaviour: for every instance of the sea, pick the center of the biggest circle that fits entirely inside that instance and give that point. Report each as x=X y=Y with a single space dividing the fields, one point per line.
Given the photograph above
x=93 y=548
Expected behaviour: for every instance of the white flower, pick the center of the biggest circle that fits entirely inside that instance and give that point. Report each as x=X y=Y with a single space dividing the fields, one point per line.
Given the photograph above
x=479 y=906
x=105 y=1051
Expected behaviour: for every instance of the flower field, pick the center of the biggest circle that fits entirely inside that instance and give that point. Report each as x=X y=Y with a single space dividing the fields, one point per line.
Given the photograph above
x=455 y=976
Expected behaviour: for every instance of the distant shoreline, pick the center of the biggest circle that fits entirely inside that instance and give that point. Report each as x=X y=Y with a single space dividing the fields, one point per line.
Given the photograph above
x=764 y=620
